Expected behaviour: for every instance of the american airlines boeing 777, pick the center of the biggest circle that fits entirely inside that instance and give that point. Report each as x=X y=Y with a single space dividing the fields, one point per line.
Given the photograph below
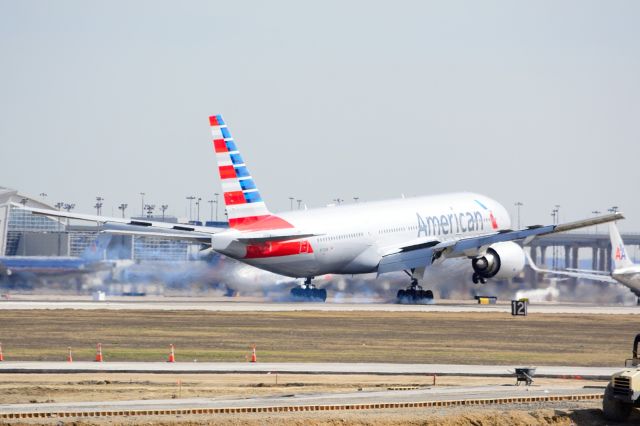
x=408 y=234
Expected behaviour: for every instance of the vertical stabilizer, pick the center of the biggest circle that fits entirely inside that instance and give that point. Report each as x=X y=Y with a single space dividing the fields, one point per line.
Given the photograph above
x=241 y=196
x=96 y=250
x=618 y=251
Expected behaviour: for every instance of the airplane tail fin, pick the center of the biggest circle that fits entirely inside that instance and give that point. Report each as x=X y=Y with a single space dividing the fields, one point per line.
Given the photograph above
x=96 y=250
x=618 y=251
x=241 y=196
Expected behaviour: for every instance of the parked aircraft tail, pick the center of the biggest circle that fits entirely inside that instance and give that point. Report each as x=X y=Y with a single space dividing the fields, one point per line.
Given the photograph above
x=618 y=251
x=96 y=250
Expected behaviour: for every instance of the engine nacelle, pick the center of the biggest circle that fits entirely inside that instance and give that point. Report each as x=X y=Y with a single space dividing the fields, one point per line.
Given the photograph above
x=502 y=261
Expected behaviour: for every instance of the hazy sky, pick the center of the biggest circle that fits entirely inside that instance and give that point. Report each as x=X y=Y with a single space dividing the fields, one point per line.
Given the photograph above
x=537 y=102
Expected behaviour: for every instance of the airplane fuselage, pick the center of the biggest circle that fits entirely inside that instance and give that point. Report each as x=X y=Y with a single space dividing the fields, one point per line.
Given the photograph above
x=630 y=277
x=351 y=239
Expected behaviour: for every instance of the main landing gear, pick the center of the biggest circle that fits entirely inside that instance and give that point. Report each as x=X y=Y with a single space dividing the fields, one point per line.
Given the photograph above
x=308 y=292
x=478 y=279
x=414 y=294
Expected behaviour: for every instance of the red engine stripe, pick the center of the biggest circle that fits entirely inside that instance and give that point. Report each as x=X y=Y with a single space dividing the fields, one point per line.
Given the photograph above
x=236 y=197
x=220 y=146
x=213 y=121
x=278 y=248
x=258 y=223
x=227 y=172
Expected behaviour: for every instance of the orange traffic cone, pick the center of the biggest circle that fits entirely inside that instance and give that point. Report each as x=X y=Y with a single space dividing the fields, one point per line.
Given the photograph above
x=254 y=358
x=172 y=354
x=69 y=357
x=99 y=353
x=1 y=355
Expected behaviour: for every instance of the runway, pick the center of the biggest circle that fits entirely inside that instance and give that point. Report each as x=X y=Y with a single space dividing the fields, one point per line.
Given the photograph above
x=593 y=373
x=230 y=305
x=425 y=397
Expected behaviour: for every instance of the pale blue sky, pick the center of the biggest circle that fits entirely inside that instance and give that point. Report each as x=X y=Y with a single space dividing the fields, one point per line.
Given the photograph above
x=531 y=101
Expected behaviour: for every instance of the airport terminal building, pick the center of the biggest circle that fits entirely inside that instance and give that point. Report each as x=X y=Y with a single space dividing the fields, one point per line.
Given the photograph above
x=25 y=234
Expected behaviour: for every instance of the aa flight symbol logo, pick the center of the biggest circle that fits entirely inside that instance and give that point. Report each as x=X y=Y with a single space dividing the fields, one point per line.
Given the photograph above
x=620 y=253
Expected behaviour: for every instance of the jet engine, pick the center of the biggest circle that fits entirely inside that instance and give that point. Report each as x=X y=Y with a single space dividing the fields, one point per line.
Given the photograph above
x=501 y=260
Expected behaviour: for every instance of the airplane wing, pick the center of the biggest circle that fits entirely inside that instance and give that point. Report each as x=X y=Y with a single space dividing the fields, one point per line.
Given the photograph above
x=138 y=231
x=144 y=227
x=409 y=256
x=587 y=271
x=566 y=273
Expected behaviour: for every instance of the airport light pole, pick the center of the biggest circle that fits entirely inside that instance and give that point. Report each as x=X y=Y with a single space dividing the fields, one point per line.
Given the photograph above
x=596 y=213
x=122 y=207
x=554 y=214
x=59 y=206
x=98 y=205
x=68 y=207
x=142 y=194
x=23 y=201
x=518 y=204
x=198 y=208
x=211 y=205
x=190 y=198
x=291 y=202
x=338 y=200
x=613 y=209
x=164 y=208
x=356 y=199
x=43 y=194
x=299 y=202
x=149 y=208
x=216 y=201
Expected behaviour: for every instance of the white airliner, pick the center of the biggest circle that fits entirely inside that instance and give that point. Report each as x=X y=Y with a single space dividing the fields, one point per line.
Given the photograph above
x=624 y=271
x=408 y=234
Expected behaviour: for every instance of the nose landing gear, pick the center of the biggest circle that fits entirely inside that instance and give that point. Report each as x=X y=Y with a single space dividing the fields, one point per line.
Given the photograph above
x=478 y=279
x=308 y=292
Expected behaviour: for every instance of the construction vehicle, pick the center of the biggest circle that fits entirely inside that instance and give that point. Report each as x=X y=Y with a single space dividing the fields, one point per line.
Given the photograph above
x=623 y=391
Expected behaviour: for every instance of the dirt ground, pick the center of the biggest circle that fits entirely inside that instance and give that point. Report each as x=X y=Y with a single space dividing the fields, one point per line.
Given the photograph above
x=561 y=414
x=403 y=337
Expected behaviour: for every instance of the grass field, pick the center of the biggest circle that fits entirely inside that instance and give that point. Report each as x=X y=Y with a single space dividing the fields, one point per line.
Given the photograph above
x=411 y=337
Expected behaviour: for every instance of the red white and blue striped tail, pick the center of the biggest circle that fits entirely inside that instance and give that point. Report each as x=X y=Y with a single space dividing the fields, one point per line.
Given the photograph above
x=241 y=196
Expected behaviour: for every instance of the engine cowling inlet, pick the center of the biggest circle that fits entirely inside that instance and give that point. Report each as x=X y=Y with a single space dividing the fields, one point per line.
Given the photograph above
x=502 y=260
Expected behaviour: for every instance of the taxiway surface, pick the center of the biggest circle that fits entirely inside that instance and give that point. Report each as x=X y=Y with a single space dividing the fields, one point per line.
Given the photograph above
x=361 y=397
x=595 y=373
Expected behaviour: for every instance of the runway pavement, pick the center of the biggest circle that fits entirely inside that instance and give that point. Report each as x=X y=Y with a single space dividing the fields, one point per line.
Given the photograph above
x=227 y=305
x=596 y=373
x=322 y=399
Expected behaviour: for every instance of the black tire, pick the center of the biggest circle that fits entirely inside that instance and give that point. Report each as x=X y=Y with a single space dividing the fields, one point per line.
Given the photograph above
x=613 y=408
x=401 y=295
x=321 y=294
x=428 y=294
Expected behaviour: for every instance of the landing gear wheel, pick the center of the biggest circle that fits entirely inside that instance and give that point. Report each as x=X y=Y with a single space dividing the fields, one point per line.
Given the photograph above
x=478 y=279
x=309 y=293
x=414 y=294
x=613 y=408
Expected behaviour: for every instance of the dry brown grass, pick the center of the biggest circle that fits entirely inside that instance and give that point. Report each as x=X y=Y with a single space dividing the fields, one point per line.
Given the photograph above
x=402 y=337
